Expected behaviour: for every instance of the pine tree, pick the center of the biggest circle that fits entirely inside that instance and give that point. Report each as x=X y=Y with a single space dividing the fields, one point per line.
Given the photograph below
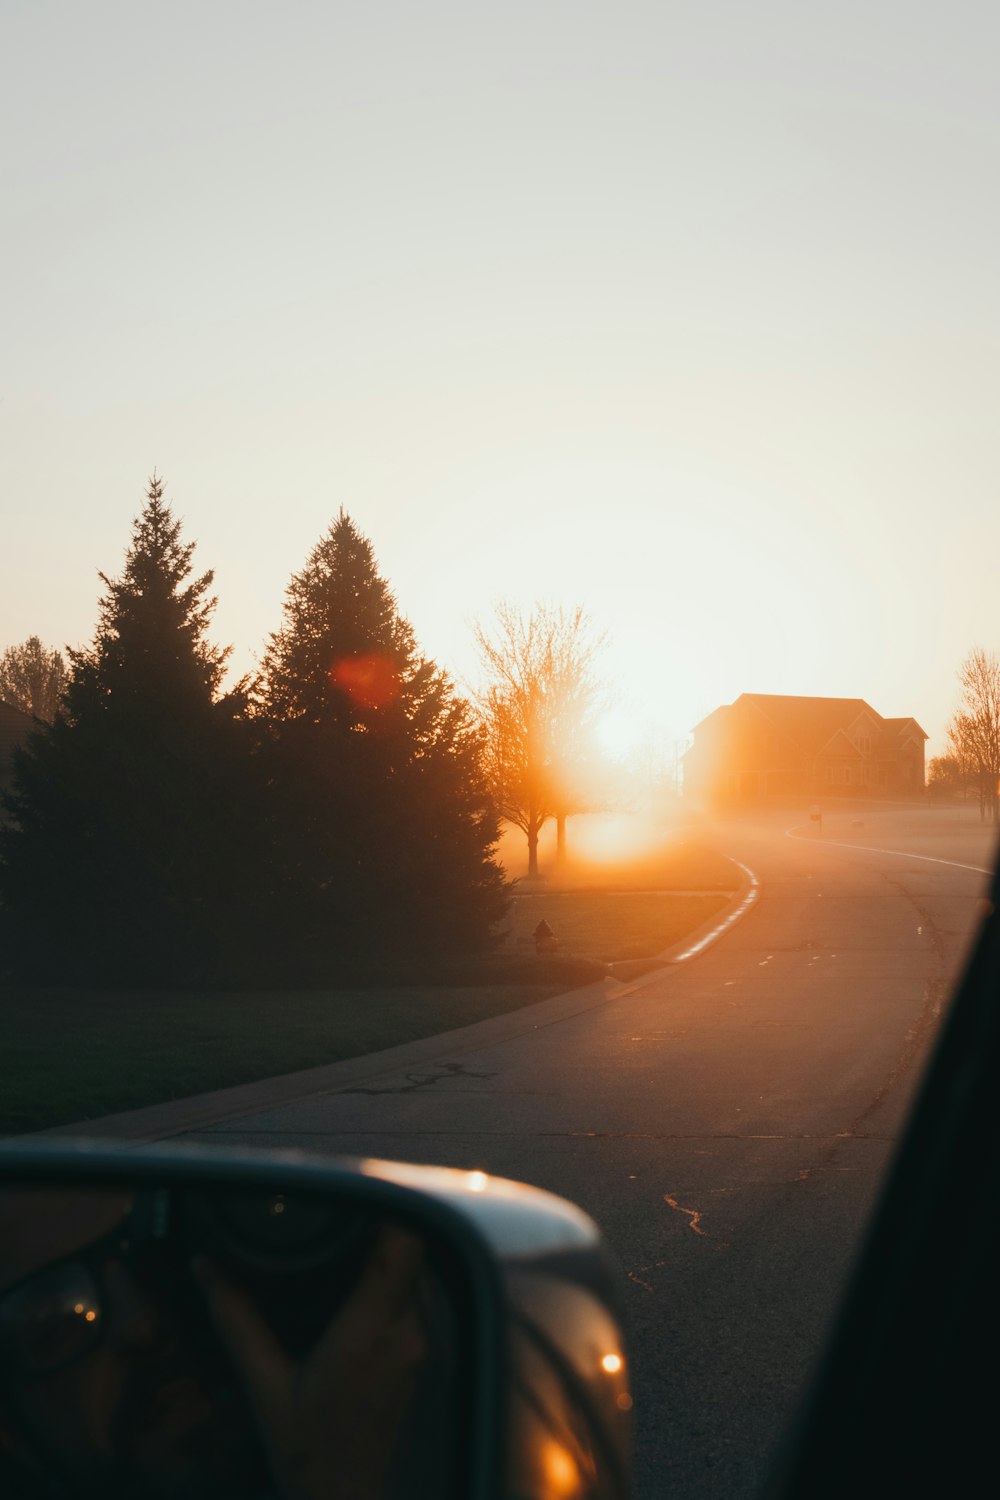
x=127 y=848
x=388 y=828
x=151 y=645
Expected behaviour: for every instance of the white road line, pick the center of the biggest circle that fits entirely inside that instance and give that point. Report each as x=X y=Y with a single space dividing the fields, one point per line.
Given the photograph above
x=739 y=911
x=931 y=859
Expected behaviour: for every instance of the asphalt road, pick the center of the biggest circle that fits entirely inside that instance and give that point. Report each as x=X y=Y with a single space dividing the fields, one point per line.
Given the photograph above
x=727 y=1123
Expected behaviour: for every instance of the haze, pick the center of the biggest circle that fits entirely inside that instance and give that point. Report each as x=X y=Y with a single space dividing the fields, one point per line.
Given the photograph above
x=686 y=314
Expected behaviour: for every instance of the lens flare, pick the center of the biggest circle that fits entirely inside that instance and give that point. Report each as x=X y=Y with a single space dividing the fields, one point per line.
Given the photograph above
x=370 y=681
x=609 y=838
x=560 y=1472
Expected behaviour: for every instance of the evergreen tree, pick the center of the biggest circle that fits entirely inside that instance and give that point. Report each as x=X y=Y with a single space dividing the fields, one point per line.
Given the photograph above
x=127 y=852
x=387 y=828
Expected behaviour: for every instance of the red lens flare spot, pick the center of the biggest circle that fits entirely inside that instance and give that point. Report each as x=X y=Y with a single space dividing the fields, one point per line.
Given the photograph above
x=369 y=681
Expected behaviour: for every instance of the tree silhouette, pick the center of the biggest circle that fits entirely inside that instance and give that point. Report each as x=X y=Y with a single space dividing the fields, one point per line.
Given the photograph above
x=384 y=819
x=127 y=853
x=32 y=678
x=537 y=707
x=974 y=732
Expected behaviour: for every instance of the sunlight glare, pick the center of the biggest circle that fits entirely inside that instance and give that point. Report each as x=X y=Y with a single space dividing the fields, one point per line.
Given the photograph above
x=604 y=838
x=618 y=732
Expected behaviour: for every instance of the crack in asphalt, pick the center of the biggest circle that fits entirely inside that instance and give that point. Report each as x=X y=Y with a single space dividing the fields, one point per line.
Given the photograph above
x=693 y=1214
x=695 y=1217
x=417 y=1081
x=805 y=1173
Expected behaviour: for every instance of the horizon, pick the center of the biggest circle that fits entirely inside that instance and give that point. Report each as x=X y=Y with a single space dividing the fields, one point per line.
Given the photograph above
x=684 y=318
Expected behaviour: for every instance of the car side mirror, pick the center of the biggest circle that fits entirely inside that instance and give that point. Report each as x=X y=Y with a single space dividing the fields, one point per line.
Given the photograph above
x=183 y=1321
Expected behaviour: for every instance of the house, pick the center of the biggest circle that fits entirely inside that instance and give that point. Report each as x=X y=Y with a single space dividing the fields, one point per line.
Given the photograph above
x=769 y=747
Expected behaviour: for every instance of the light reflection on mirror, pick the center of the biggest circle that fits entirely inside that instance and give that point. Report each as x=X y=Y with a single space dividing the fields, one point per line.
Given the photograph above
x=202 y=1342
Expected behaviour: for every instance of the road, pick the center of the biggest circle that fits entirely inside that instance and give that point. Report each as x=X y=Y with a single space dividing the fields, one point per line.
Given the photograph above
x=727 y=1123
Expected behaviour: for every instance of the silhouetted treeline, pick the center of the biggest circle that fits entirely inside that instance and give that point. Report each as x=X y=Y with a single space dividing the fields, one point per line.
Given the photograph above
x=327 y=822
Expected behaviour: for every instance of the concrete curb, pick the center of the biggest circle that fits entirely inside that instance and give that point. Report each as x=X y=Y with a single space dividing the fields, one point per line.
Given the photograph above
x=157 y=1122
x=639 y=972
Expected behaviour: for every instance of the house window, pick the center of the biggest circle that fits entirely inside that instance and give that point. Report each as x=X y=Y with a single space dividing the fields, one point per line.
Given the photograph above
x=865 y=744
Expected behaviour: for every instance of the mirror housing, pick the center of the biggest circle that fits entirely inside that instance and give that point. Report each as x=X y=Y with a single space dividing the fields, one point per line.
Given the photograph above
x=484 y=1309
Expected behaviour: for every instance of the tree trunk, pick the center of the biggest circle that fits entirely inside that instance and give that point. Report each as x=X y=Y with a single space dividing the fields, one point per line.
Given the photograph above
x=560 y=838
x=533 y=852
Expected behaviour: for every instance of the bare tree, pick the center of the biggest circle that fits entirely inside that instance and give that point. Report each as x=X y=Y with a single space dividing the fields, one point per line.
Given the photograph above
x=948 y=776
x=974 y=732
x=32 y=678
x=540 y=698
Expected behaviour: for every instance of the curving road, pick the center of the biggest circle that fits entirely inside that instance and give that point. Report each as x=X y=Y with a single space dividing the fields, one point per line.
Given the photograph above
x=727 y=1121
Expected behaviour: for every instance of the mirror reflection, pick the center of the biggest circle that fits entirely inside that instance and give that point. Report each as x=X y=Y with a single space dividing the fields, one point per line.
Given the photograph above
x=190 y=1341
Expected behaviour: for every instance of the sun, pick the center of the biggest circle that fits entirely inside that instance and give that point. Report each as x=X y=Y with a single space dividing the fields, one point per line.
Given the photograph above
x=617 y=733
x=612 y=838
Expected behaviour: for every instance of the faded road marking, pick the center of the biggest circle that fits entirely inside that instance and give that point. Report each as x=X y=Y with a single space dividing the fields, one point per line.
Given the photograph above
x=931 y=859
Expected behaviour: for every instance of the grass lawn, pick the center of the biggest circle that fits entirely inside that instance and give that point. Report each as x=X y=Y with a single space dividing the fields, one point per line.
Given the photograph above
x=68 y=1055
x=611 y=926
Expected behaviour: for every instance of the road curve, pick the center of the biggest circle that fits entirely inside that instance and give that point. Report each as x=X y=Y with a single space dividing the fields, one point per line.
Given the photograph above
x=727 y=1123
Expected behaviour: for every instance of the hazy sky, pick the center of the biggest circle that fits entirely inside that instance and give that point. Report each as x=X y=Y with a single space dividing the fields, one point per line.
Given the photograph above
x=684 y=312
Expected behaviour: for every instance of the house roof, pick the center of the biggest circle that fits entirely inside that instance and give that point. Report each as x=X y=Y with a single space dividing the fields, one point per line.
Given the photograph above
x=811 y=723
x=903 y=727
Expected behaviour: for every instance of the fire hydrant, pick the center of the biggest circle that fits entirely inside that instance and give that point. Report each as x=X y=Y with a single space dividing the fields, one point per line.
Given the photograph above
x=545 y=939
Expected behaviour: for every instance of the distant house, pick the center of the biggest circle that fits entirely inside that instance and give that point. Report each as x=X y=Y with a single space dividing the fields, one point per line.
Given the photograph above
x=768 y=747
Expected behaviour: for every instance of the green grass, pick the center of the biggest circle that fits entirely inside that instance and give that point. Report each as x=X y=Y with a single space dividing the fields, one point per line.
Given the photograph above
x=78 y=1054
x=69 y=1055
x=609 y=927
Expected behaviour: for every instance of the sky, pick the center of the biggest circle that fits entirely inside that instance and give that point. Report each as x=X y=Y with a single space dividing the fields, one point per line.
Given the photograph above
x=684 y=313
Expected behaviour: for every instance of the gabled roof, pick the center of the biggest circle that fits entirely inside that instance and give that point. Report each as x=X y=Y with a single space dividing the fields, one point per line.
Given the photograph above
x=840 y=743
x=808 y=722
x=902 y=727
x=811 y=723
